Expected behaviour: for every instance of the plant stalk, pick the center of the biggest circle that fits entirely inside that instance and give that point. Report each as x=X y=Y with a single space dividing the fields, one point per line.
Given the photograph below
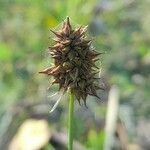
x=70 y=121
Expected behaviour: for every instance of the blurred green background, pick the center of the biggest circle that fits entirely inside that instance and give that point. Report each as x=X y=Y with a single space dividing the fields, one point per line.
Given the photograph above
x=120 y=29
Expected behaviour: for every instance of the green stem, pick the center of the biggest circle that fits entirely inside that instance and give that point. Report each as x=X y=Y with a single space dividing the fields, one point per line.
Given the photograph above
x=71 y=110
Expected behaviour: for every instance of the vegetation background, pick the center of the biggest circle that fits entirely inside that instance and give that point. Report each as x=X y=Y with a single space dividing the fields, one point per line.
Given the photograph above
x=120 y=29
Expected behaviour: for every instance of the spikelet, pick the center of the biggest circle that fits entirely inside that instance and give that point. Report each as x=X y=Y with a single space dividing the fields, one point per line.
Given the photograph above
x=74 y=62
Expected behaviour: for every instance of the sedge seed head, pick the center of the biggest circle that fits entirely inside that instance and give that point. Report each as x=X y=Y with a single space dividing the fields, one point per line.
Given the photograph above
x=74 y=62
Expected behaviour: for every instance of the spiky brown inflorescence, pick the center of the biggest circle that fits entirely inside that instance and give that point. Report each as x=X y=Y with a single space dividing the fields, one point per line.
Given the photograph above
x=74 y=62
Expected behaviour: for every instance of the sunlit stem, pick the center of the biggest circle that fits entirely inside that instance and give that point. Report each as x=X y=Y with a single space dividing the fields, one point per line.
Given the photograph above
x=70 y=121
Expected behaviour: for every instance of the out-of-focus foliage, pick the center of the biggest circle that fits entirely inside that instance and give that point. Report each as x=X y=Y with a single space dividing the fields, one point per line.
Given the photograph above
x=95 y=140
x=119 y=28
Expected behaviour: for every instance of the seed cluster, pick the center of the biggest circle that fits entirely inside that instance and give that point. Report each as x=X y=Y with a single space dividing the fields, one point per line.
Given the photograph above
x=74 y=62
